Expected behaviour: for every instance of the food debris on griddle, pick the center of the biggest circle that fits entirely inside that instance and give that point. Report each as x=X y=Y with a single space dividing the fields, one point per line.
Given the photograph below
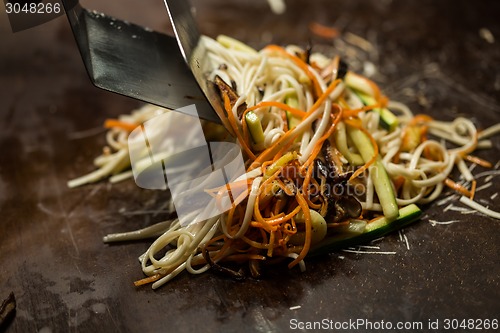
x=7 y=310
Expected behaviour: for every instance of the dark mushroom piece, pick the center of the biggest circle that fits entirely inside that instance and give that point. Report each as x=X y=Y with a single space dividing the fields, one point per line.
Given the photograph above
x=352 y=207
x=255 y=268
x=236 y=275
x=342 y=70
x=226 y=89
x=320 y=170
x=327 y=153
x=343 y=208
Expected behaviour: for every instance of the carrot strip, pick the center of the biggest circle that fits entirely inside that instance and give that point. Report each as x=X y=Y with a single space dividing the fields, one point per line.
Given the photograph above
x=220 y=254
x=283 y=106
x=256 y=210
x=420 y=118
x=323 y=30
x=272 y=236
x=355 y=112
x=270 y=152
x=307 y=180
x=398 y=182
x=319 y=144
x=244 y=126
x=321 y=99
x=254 y=243
x=478 y=161
x=307 y=242
x=299 y=62
x=457 y=187
x=115 y=123
x=243 y=257
x=291 y=134
x=473 y=190
x=149 y=279
x=283 y=219
x=234 y=125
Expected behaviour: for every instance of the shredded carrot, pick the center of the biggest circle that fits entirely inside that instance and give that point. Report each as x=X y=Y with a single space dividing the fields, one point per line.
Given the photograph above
x=473 y=189
x=278 y=206
x=478 y=161
x=337 y=224
x=115 y=123
x=271 y=151
x=149 y=279
x=420 y=119
x=256 y=208
x=319 y=144
x=243 y=257
x=244 y=126
x=307 y=218
x=270 y=249
x=223 y=250
x=321 y=99
x=282 y=219
x=398 y=182
x=213 y=240
x=228 y=189
x=307 y=179
x=299 y=62
x=457 y=187
x=234 y=125
x=255 y=244
x=323 y=30
x=283 y=106
x=291 y=134
x=355 y=112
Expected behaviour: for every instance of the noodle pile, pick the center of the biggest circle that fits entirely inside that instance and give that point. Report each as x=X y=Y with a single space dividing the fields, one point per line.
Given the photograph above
x=327 y=154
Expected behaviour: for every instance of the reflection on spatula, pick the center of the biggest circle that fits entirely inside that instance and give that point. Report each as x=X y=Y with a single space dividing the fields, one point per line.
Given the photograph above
x=143 y=64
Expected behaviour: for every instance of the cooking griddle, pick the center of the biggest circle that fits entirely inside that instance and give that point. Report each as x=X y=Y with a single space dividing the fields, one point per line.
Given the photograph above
x=436 y=57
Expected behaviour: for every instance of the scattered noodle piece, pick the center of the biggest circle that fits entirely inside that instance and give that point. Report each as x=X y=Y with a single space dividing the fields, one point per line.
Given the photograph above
x=480 y=208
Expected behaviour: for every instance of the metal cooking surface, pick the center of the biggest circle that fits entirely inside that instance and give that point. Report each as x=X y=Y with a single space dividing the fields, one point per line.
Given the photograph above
x=429 y=55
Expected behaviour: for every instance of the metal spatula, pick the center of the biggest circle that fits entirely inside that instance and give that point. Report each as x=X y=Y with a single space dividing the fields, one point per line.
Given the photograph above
x=146 y=65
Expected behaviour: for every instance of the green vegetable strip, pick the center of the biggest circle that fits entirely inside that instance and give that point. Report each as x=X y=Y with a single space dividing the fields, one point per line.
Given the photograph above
x=292 y=120
x=358 y=83
x=281 y=162
x=232 y=43
x=381 y=181
x=255 y=128
x=373 y=230
x=341 y=141
x=387 y=119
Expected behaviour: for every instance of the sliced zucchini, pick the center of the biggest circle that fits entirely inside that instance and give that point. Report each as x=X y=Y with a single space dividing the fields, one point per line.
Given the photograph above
x=292 y=120
x=388 y=120
x=378 y=174
x=255 y=128
x=280 y=163
x=373 y=230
